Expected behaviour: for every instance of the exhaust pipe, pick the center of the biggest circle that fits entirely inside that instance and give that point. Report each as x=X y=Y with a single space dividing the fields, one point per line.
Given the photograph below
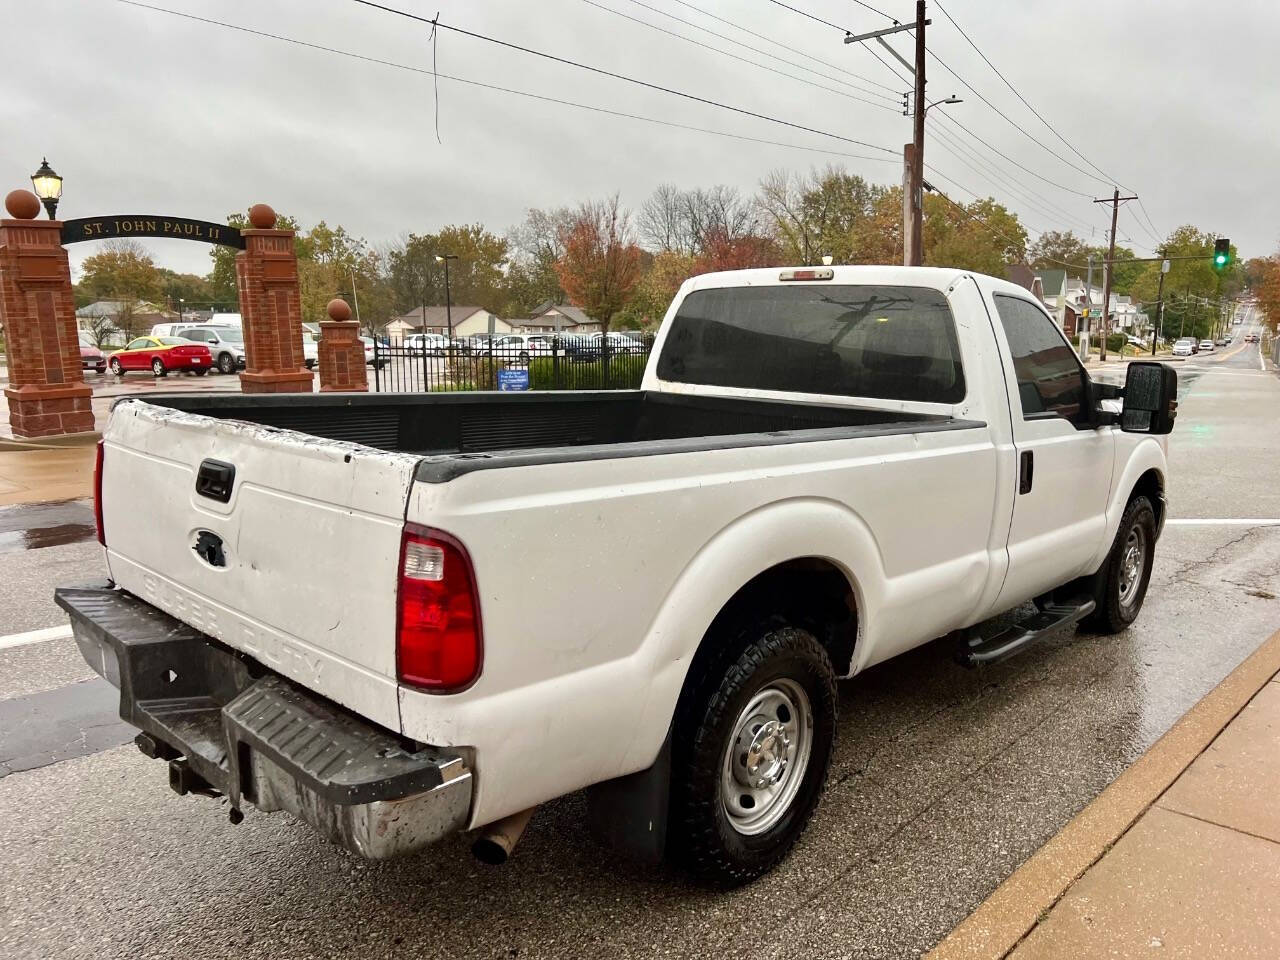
x=498 y=839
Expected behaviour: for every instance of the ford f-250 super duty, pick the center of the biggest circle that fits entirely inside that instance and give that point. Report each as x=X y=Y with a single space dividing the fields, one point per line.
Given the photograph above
x=402 y=615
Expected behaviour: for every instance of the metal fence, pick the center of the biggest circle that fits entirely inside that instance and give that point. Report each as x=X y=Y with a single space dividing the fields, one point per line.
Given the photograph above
x=432 y=362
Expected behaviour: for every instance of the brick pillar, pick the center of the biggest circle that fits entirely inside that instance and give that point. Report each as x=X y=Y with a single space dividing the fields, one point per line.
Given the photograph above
x=342 y=361
x=47 y=394
x=271 y=307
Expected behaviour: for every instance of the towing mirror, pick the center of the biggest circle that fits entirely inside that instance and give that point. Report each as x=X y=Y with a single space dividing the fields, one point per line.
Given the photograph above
x=1150 y=398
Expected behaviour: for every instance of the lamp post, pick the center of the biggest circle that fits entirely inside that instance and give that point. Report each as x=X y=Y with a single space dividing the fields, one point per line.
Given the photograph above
x=448 y=309
x=48 y=187
x=181 y=318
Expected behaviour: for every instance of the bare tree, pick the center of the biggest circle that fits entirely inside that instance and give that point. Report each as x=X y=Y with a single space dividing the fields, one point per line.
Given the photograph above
x=662 y=220
x=688 y=221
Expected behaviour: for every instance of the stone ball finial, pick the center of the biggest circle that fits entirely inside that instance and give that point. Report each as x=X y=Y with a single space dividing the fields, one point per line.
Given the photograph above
x=22 y=204
x=338 y=309
x=262 y=216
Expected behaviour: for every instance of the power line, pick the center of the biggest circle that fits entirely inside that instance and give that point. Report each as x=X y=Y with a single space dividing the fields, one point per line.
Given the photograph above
x=1022 y=167
x=827 y=23
x=1024 y=100
x=619 y=76
x=500 y=89
x=1143 y=207
x=967 y=86
x=734 y=56
x=991 y=172
x=767 y=39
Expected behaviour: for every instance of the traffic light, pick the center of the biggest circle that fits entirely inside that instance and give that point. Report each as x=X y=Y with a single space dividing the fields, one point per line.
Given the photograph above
x=1221 y=253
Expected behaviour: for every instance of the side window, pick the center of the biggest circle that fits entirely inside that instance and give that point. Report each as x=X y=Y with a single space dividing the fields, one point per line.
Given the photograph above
x=140 y=344
x=1051 y=381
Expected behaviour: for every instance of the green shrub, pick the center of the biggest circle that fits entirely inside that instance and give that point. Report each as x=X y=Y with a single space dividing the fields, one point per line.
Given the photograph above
x=625 y=373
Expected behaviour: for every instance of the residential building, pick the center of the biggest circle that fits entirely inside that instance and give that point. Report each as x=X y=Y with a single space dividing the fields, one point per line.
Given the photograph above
x=467 y=321
x=551 y=317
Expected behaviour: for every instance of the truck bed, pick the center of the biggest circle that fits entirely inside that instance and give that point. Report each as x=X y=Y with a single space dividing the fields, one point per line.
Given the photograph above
x=457 y=433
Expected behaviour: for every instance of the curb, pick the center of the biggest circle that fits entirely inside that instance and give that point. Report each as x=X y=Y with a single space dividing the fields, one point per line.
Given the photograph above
x=1013 y=910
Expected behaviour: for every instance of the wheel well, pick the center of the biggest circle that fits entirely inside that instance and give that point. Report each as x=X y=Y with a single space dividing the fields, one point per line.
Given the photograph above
x=1151 y=486
x=809 y=592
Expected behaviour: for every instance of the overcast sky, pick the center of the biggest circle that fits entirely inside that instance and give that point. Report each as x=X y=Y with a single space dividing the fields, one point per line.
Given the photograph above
x=144 y=112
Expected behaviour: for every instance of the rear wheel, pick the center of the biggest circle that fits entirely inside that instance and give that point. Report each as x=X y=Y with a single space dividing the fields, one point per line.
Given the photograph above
x=200 y=371
x=753 y=739
x=226 y=363
x=117 y=367
x=1121 y=585
x=157 y=367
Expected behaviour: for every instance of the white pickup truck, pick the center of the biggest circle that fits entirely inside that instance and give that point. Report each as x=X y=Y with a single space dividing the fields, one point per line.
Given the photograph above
x=403 y=615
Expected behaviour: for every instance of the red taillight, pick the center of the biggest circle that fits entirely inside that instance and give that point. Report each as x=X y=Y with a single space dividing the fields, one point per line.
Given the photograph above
x=438 y=644
x=97 y=495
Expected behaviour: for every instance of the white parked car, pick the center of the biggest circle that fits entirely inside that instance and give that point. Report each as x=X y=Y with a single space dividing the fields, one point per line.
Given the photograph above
x=310 y=348
x=824 y=468
x=1206 y=346
x=522 y=346
x=1184 y=347
x=427 y=344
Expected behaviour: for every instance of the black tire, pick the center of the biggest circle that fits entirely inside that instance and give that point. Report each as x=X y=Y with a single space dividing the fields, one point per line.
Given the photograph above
x=157 y=367
x=116 y=368
x=721 y=686
x=226 y=363
x=1118 y=592
x=200 y=372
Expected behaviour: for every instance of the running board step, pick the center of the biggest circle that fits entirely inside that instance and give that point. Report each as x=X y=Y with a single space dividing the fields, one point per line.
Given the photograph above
x=976 y=650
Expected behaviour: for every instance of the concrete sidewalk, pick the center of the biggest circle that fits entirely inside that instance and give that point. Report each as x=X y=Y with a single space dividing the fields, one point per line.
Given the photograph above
x=1180 y=857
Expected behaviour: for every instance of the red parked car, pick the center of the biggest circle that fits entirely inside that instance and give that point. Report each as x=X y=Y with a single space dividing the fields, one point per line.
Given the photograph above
x=160 y=355
x=91 y=358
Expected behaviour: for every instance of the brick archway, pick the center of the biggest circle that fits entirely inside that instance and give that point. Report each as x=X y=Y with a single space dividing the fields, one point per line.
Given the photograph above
x=47 y=395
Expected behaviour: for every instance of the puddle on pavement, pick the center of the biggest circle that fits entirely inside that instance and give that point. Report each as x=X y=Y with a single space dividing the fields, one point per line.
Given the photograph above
x=34 y=526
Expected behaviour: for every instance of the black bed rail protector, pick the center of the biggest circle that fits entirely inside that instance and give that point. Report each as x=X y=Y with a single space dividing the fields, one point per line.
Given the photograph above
x=448 y=467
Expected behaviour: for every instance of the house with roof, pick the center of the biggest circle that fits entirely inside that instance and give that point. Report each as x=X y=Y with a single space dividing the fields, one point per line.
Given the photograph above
x=467 y=321
x=551 y=317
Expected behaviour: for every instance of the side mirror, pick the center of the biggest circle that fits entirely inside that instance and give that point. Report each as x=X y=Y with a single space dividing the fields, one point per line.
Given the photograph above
x=1150 y=398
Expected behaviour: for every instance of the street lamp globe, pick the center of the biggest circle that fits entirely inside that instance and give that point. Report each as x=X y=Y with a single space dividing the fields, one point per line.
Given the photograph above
x=48 y=187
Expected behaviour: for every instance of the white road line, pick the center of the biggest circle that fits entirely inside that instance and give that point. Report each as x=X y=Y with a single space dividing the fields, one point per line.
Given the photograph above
x=1224 y=522
x=62 y=632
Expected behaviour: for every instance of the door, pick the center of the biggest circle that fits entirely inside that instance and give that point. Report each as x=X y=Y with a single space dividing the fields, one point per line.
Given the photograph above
x=136 y=355
x=1064 y=463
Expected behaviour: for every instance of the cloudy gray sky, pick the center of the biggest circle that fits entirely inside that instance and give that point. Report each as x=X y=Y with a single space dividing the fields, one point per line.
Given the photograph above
x=144 y=112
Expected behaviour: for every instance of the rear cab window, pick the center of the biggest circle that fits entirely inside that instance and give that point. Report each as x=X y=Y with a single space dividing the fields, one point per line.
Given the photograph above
x=874 y=341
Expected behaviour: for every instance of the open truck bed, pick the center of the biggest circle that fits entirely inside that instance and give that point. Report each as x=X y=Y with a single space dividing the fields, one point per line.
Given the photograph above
x=456 y=433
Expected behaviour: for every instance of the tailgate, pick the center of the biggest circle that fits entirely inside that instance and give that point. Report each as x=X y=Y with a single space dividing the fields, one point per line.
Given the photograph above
x=297 y=568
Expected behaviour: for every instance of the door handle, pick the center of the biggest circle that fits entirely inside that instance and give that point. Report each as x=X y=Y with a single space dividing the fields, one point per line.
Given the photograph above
x=1026 y=470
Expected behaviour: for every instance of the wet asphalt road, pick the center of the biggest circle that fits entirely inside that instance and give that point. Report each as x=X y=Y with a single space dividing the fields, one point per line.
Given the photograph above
x=944 y=780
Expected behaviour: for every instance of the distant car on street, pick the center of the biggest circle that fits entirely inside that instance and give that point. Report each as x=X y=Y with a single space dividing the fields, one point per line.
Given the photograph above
x=1206 y=346
x=160 y=355
x=369 y=359
x=310 y=348
x=1251 y=338
x=1184 y=347
x=91 y=358
x=1136 y=342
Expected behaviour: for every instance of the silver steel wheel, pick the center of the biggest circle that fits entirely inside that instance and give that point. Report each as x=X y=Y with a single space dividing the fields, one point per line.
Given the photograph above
x=767 y=756
x=1133 y=562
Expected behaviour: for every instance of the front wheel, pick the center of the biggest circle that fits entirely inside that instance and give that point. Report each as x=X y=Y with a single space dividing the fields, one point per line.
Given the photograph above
x=157 y=367
x=753 y=740
x=1122 y=582
x=117 y=368
x=226 y=363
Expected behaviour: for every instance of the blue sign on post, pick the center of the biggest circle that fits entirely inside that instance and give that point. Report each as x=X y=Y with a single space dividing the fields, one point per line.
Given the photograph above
x=513 y=379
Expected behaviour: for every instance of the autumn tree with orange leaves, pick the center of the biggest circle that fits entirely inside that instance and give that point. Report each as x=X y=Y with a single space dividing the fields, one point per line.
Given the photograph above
x=601 y=264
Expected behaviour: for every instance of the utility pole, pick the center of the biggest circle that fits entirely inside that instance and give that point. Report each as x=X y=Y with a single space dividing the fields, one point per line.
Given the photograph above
x=913 y=152
x=1088 y=314
x=1164 y=268
x=1106 y=282
x=917 y=147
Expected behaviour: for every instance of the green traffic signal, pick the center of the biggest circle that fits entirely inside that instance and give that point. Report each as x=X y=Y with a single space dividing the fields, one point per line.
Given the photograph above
x=1221 y=253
